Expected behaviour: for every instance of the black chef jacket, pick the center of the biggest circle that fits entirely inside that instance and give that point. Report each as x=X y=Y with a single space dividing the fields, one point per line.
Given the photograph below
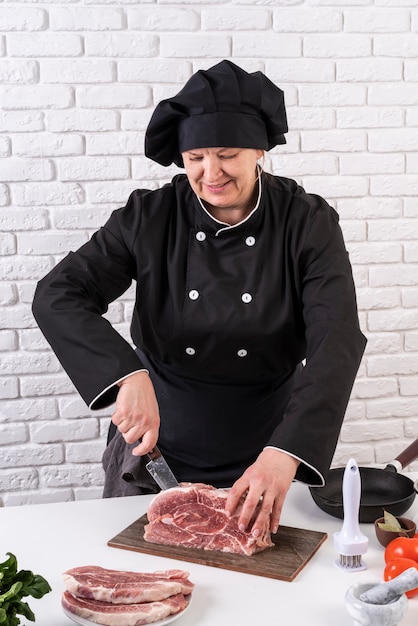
x=237 y=306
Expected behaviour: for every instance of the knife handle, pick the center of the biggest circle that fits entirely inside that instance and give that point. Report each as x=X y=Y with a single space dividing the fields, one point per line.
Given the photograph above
x=153 y=454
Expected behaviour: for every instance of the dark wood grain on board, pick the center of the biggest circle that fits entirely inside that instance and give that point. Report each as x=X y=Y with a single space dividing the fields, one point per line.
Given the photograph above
x=293 y=548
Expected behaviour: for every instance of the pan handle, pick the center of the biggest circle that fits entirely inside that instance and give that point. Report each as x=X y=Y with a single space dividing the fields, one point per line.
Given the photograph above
x=410 y=454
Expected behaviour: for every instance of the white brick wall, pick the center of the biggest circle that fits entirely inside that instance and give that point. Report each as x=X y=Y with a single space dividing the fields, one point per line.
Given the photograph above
x=78 y=83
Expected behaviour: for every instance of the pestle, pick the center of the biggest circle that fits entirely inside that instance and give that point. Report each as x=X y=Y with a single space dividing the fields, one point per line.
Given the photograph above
x=384 y=593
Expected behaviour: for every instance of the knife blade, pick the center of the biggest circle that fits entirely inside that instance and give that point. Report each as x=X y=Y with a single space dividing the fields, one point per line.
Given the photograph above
x=160 y=471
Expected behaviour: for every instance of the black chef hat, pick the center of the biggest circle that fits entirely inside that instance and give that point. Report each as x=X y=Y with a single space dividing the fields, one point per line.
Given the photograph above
x=223 y=106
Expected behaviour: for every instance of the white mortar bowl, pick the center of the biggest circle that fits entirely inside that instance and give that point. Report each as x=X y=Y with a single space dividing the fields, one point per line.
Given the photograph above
x=366 y=614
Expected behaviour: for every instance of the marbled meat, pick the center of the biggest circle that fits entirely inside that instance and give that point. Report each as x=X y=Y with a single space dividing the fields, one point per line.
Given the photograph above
x=108 y=614
x=193 y=516
x=122 y=587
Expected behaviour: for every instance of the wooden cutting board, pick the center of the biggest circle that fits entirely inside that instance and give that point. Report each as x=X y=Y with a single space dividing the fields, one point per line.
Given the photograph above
x=293 y=548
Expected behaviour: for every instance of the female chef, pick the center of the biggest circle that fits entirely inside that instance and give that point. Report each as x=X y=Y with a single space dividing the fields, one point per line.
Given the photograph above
x=245 y=325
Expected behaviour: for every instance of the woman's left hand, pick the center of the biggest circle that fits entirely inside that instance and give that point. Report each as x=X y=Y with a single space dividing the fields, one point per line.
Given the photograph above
x=269 y=479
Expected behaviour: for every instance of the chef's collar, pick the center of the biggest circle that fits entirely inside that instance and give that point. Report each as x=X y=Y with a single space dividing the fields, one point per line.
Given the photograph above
x=221 y=227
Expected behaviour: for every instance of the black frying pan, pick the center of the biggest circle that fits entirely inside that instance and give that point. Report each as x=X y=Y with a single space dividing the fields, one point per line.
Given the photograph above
x=381 y=489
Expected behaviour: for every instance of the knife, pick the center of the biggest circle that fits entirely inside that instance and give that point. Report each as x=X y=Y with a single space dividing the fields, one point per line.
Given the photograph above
x=160 y=471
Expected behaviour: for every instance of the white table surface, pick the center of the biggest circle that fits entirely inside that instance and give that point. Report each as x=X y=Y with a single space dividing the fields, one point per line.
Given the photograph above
x=50 y=538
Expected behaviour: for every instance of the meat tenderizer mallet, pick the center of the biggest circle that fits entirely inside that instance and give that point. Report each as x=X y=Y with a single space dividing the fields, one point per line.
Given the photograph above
x=350 y=543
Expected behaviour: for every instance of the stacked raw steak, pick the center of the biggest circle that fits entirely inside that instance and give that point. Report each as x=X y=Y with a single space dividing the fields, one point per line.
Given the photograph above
x=117 y=598
x=194 y=516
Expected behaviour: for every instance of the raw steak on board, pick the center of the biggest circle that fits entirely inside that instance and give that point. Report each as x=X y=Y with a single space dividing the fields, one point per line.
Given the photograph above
x=109 y=614
x=121 y=587
x=193 y=516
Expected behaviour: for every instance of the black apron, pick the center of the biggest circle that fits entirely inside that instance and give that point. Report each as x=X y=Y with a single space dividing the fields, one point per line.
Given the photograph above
x=213 y=428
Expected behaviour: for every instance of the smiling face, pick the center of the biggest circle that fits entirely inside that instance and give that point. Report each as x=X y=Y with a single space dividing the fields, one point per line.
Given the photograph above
x=224 y=179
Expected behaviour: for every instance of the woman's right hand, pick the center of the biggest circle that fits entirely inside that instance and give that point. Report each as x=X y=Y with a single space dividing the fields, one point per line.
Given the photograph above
x=136 y=413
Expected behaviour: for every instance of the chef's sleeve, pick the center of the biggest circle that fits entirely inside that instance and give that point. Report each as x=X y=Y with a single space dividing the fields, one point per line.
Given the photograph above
x=335 y=345
x=69 y=305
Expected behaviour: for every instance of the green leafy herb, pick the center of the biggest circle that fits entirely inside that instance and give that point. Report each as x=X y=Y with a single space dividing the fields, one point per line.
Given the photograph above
x=15 y=585
x=391 y=524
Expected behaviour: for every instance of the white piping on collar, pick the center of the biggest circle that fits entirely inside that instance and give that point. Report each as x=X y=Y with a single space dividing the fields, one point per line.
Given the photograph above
x=231 y=226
